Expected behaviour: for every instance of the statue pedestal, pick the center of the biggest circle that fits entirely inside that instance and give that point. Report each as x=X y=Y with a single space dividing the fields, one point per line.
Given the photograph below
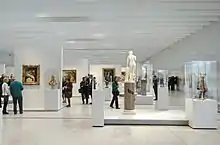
x=129 y=97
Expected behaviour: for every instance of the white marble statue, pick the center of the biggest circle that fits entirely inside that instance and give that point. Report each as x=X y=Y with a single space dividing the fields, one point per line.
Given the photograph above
x=131 y=67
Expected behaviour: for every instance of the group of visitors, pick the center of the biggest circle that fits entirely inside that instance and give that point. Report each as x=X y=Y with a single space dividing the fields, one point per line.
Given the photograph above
x=67 y=88
x=10 y=87
x=87 y=84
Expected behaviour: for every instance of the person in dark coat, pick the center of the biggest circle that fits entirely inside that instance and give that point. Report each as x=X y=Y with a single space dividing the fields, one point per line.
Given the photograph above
x=115 y=93
x=82 y=90
x=68 y=91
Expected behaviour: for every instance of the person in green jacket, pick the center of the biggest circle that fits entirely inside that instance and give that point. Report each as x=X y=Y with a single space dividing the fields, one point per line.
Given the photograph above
x=115 y=93
x=16 y=89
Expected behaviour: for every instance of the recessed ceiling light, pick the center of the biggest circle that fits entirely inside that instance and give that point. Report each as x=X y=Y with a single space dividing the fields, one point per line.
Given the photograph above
x=70 y=42
x=42 y=15
x=99 y=35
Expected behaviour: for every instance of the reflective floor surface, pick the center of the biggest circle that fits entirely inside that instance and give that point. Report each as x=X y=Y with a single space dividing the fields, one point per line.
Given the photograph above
x=72 y=126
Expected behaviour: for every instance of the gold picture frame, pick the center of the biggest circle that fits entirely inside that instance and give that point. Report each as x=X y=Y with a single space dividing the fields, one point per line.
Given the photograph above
x=70 y=74
x=31 y=74
x=108 y=74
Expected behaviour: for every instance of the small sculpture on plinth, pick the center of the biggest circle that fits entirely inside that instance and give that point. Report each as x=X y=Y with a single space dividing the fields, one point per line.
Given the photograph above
x=106 y=84
x=202 y=87
x=131 y=67
x=52 y=82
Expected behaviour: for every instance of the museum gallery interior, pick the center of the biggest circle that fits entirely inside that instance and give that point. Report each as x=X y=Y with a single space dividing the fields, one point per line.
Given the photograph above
x=157 y=61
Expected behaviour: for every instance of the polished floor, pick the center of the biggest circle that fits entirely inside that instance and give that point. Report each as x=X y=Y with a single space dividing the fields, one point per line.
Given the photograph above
x=72 y=126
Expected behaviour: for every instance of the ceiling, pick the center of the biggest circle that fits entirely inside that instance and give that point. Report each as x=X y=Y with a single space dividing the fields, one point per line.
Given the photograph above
x=103 y=30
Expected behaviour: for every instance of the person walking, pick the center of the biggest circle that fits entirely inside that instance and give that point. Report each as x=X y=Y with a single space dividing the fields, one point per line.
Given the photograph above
x=5 y=94
x=16 y=89
x=115 y=93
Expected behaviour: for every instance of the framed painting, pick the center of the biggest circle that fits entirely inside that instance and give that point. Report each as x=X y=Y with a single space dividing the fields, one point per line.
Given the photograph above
x=69 y=74
x=31 y=74
x=108 y=74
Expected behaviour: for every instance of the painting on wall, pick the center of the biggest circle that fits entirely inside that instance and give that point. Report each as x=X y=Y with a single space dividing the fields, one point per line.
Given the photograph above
x=123 y=75
x=31 y=74
x=108 y=74
x=69 y=74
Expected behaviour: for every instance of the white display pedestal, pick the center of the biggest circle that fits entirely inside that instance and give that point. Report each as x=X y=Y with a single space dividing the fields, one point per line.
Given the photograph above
x=98 y=105
x=52 y=100
x=1 y=126
x=163 y=99
x=108 y=94
x=203 y=114
x=144 y=100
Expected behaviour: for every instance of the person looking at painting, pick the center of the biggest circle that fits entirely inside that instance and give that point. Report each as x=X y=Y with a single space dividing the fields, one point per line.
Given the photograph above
x=5 y=94
x=16 y=89
x=115 y=93
x=68 y=91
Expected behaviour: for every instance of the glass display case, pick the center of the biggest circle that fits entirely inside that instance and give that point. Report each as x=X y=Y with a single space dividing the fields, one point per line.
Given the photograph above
x=162 y=78
x=201 y=79
x=147 y=77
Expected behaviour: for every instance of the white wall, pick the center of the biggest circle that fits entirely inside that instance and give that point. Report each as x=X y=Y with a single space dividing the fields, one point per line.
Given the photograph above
x=96 y=70
x=49 y=64
x=70 y=61
x=204 y=45
x=6 y=58
x=2 y=69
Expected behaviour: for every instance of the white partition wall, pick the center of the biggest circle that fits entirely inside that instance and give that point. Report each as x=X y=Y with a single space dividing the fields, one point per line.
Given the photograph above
x=34 y=95
x=2 y=69
x=96 y=70
x=80 y=65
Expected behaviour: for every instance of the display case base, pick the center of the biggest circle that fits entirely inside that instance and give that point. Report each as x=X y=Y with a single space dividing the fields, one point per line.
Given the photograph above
x=202 y=114
x=144 y=100
x=146 y=117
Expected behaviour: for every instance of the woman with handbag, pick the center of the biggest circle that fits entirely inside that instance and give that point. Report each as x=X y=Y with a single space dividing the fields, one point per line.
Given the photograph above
x=68 y=91
x=115 y=93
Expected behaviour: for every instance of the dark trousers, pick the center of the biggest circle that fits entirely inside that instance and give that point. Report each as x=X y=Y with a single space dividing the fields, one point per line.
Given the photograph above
x=5 y=104
x=19 y=101
x=87 y=97
x=0 y=101
x=155 y=92
x=114 y=100
x=68 y=101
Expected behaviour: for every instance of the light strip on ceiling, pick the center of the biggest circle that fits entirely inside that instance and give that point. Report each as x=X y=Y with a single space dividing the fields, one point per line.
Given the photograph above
x=189 y=1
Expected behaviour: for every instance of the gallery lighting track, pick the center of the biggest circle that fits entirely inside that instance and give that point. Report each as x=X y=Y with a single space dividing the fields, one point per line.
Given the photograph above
x=189 y=1
x=65 y=19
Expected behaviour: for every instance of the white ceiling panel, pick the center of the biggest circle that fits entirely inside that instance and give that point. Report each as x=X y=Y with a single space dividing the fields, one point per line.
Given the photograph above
x=144 y=26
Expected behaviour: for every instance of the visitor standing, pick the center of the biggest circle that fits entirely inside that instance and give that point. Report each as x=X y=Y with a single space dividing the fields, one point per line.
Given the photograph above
x=115 y=93
x=68 y=91
x=16 y=89
x=82 y=90
x=5 y=94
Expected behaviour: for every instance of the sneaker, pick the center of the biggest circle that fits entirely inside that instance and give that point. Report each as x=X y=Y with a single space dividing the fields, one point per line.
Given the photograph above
x=111 y=107
x=68 y=106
